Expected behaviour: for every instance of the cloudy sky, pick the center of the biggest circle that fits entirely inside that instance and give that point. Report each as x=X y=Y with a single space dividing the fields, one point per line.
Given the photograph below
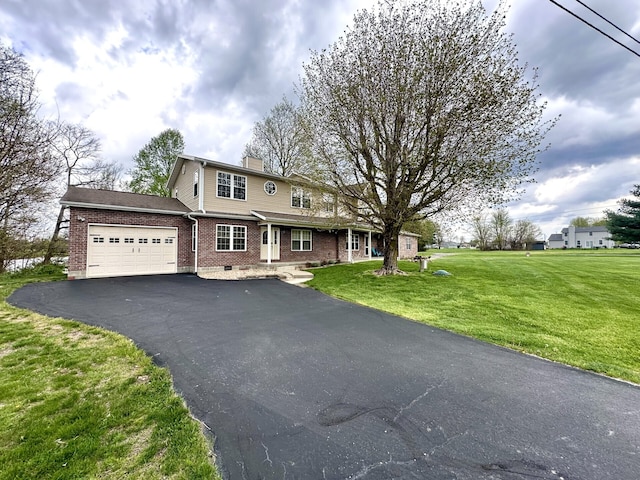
x=128 y=69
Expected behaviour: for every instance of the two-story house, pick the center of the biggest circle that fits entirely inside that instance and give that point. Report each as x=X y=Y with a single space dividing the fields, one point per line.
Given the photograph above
x=582 y=237
x=220 y=216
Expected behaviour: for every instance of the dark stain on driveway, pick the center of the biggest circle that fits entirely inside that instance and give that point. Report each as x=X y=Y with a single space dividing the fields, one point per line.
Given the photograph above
x=298 y=385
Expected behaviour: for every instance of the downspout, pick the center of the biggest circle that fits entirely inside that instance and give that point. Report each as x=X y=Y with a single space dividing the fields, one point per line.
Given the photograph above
x=194 y=239
x=201 y=188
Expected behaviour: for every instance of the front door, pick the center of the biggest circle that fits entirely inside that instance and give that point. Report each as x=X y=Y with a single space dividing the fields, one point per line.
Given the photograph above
x=275 y=243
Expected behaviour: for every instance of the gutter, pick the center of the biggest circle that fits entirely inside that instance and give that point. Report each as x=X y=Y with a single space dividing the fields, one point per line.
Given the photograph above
x=120 y=208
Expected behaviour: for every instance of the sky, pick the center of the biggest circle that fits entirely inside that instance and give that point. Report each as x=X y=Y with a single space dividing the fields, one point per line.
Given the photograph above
x=129 y=69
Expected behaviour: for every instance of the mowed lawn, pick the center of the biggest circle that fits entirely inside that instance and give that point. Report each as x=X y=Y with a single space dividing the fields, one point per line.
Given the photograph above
x=80 y=402
x=581 y=308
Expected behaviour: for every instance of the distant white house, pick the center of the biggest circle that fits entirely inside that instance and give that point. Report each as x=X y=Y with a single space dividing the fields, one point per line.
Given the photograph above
x=582 y=237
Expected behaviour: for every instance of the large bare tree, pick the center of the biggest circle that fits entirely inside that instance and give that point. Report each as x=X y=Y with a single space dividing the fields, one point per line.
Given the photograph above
x=422 y=107
x=280 y=140
x=27 y=168
x=77 y=149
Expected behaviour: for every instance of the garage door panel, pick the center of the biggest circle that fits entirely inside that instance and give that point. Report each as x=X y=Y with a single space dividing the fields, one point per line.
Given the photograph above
x=122 y=250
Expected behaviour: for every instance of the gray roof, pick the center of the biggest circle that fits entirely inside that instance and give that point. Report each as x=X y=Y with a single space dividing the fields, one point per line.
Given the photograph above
x=555 y=237
x=309 y=220
x=113 y=200
x=587 y=229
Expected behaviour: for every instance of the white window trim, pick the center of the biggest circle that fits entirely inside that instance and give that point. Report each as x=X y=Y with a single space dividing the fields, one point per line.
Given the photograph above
x=231 y=238
x=275 y=187
x=302 y=194
x=233 y=186
x=355 y=241
x=301 y=240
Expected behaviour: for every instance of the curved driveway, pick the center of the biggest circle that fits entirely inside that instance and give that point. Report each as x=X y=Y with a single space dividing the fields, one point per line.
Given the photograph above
x=298 y=385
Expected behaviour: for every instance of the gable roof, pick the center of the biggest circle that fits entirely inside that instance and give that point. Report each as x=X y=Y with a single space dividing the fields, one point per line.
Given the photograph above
x=227 y=167
x=126 y=201
x=555 y=237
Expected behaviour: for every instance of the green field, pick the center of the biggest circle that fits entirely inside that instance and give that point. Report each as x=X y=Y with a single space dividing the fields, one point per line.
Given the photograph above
x=579 y=307
x=81 y=402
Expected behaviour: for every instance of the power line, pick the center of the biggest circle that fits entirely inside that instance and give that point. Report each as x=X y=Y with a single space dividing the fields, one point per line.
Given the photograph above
x=609 y=22
x=595 y=28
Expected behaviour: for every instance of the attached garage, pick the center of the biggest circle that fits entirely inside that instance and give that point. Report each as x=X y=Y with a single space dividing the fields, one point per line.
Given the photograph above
x=117 y=250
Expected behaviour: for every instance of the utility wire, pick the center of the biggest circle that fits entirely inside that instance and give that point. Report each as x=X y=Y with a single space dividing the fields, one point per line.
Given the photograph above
x=609 y=22
x=595 y=28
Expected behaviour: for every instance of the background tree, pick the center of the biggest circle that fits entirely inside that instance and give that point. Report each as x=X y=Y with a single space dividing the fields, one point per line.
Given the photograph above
x=27 y=168
x=501 y=225
x=624 y=225
x=427 y=229
x=420 y=108
x=280 y=140
x=153 y=163
x=523 y=234
x=481 y=231
x=77 y=149
x=587 y=222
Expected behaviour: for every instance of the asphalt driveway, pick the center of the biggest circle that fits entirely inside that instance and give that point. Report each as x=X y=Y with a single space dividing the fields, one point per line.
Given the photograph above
x=298 y=385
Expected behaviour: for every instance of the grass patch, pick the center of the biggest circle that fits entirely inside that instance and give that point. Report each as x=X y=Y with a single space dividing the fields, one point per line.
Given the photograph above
x=576 y=307
x=80 y=402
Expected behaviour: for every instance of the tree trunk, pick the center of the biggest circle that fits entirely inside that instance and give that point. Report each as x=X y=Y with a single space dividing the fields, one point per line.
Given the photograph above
x=54 y=237
x=390 y=264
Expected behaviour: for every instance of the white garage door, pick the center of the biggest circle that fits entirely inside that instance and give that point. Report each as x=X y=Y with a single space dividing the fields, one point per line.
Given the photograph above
x=117 y=250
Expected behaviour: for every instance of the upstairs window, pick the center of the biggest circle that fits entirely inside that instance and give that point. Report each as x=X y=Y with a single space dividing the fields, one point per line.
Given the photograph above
x=300 y=198
x=232 y=186
x=328 y=203
x=195 y=183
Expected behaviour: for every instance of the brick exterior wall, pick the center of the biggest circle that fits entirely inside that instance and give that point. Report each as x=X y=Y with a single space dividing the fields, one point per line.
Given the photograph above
x=80 y=218
x=208 y=257
x=403 y=251
x=326 y=245
x=323 y=247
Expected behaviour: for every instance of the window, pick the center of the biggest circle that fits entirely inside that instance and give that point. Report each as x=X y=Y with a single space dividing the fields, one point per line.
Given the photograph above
x=155 y=240
x=578 y=243
x=408 y=244
x=301 y=240
x=270 y=188
x=591 y=234
x=128 y=240
x=300 y=198
x=168 y=240
x=143 y=240
x=600 y=242
x=232 y=186
x=355 y=242
x=114 y=240
x=231 y=238
x=328 y=202
x=195 y=183
x=98 y=239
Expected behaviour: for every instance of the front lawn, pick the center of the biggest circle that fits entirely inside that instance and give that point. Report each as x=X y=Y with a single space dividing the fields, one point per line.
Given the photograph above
x=581 y=308
x=80 y=402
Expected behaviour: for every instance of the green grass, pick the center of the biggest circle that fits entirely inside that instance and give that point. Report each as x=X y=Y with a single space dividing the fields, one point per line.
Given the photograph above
x=581 y=308
x=80 y=402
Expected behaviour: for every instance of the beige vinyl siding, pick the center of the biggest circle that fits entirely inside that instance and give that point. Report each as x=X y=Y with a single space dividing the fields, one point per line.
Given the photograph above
x=257 y=198
x=184 y=184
